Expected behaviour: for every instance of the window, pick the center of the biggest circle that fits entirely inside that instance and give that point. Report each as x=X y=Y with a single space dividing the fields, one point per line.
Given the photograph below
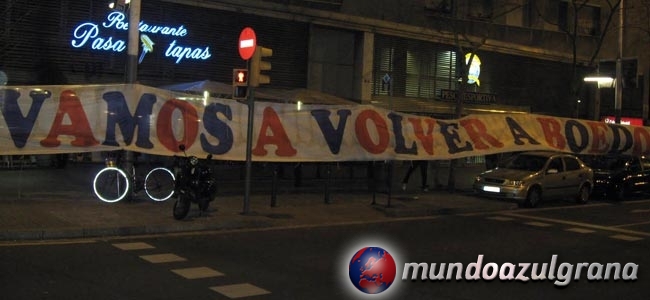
x=440 y=6
x=587 y=18
x=418 y=69
x=384 y=65
x=480 y=9
x=556 y=163
x=427 y=72
x=530 y=14
x=571 y=164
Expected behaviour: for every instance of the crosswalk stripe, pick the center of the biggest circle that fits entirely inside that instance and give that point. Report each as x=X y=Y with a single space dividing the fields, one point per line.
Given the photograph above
x=162 y=258
x=624 y=237
x=239 y=290
x=580 y=230
x=198 y=272
x=133 y=246
x=499 y=218
x=538 y=224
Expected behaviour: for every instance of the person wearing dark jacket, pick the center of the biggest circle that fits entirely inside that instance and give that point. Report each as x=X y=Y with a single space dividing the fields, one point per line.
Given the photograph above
x=424 y=166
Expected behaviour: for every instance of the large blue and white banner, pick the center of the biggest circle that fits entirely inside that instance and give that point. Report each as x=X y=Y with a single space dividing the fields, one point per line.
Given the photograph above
x=85 y=118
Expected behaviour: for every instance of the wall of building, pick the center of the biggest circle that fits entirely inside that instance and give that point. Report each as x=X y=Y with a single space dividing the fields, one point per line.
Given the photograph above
x=325 y=45
x=39 y=37
x=332 y=61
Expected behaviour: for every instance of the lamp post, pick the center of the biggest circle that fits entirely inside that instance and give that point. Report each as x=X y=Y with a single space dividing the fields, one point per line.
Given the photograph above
x=133 y=44
x=618 y=88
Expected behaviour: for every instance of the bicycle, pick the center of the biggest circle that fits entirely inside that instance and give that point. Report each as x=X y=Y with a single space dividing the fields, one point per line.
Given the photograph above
x=112 y=184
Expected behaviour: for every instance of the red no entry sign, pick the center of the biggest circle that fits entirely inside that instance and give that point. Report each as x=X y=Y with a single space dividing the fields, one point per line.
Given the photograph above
x=247 y=43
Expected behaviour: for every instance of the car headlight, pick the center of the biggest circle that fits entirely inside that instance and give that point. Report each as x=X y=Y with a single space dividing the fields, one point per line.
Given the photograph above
x=516 y=183
x=478 y=179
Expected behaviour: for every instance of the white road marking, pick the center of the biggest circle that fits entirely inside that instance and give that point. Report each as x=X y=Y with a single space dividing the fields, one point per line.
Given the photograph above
x=45 y=243
x=628 y=238
x=239 y=290
x=199 y=272
x=580 y=230
x=632 y=224
x=579 y=224
x=133 y=246
x=162 y=258
x=538 y=224
x=499 y=218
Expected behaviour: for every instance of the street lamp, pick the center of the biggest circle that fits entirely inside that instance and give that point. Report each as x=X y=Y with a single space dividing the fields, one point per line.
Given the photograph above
x=601 y=80
x=131 y=71
x=618 y=88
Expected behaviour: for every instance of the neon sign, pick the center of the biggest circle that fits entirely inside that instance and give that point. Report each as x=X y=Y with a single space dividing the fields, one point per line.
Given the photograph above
x=88 y=35
x=474 y=69
x=624 y=120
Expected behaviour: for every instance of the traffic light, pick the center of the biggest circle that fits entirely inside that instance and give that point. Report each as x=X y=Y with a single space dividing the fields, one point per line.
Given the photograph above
x=258 y=65
x=239 y=83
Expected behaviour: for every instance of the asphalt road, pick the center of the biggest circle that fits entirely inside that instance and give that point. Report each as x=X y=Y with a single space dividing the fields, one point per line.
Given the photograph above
x=312 y=262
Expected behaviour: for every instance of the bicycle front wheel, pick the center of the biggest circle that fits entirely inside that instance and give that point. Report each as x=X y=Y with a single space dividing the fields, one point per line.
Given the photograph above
x=111 y=184
x=159 y=184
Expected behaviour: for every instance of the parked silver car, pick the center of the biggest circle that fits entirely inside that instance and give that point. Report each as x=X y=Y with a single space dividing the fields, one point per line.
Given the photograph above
x=532 y=176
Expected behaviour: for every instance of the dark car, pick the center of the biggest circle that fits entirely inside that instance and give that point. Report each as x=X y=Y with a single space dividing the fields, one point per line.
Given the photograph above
x=619 y=176
x=530 y=176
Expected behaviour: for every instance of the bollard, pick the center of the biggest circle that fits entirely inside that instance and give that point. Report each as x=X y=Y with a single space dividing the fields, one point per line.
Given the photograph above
x=372 y=181
x=328 y=178
x=274 y=187
x=389 y=181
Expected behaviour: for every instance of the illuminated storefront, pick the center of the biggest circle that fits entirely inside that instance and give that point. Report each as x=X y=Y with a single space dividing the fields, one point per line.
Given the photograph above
x=84 y=42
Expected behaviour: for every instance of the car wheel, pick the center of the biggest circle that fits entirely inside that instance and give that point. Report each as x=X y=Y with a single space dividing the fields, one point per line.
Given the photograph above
x=533 y=198
x=583 y=195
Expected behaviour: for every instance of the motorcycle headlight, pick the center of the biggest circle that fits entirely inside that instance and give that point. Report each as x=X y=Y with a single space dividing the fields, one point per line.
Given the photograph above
x=194 y=160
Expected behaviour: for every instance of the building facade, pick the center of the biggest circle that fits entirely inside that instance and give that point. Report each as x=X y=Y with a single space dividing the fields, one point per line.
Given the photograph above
x=398 y=54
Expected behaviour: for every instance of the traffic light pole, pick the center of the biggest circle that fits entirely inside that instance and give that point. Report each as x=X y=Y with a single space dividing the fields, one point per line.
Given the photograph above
x=249 y=145
x=254 y=65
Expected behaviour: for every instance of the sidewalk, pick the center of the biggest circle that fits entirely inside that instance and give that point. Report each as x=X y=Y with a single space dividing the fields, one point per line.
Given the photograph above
x=58 y=203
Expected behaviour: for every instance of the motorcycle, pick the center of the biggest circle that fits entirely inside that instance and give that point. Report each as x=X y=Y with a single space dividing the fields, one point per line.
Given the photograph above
x=194 y=184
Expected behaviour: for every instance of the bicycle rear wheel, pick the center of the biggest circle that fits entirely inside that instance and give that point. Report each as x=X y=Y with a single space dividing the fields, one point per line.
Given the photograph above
x=111 y=184
x=159 y=184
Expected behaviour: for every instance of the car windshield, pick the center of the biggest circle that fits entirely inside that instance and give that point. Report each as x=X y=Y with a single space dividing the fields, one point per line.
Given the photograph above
x=526 y=162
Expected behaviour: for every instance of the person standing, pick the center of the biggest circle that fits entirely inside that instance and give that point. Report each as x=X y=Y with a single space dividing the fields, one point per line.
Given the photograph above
x=424 y=168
